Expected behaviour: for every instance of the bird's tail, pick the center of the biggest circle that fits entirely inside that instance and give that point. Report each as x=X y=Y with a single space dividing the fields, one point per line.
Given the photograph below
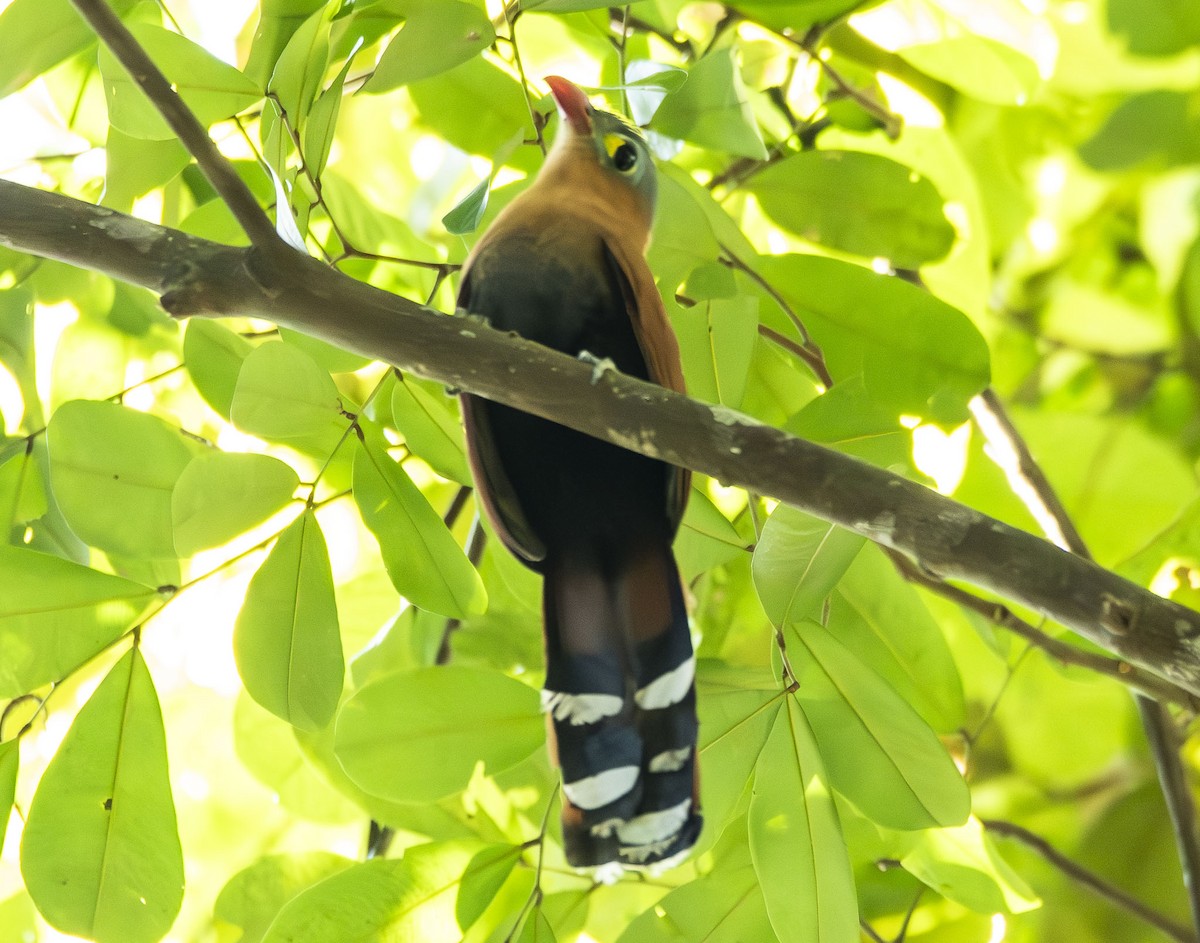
x=621 y=701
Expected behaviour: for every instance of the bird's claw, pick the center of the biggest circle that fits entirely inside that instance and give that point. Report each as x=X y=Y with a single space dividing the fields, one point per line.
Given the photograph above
x=600 y=365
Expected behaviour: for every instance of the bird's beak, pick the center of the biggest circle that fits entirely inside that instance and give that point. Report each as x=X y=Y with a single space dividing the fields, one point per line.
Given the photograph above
x=572 y=104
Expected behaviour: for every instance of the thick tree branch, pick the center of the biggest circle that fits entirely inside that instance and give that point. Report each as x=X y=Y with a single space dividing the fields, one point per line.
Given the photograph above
x=942 y=537
x=220 y=173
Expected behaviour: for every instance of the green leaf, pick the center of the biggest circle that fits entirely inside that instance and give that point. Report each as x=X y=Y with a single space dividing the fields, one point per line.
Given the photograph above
x=46 y=32
x=882 y=619
x=300 y=69
x=795 y=840
x=1155 y=27
x=855 y=202
x=476 y=106
x=415 y=736
x=437 y=36
x=736 y=717
x=724 y=905
x=798 y=15
x=113 y=470
x=319 y=130
x=563 y=6
x=917 y=354
x=411 y=898
x=430 y=427
x=220 y=495
x=426 y=564
x=268 y=748
x=22 y=492
x=214 y=356
x=712 y=109
x=18 y=918
x=1156 y=125
x=327 y=356
x=212 y=89
x=467 y=213
x=537 y=929
x=963 y=865
x=277 y=22
x=717 y=341
x=798 y=561
x=10 y=759
x=135 y=166
x=287 y=642
x=879 y=752
x=252 y=898
x=100 y=854
x=282 y=394
x=978 y=66
x=55 y=615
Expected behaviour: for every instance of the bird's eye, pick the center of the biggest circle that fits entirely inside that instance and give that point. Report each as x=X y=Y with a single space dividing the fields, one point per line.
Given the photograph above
x=625 y=158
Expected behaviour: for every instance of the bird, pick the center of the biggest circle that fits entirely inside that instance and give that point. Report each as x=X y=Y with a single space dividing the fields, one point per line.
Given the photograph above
x=564 y=265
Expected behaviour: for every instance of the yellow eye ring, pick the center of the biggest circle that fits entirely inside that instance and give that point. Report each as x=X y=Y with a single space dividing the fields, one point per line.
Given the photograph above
x=621 y=152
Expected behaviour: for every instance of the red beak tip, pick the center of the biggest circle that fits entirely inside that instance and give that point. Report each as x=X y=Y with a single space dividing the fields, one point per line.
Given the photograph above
x=572 y=103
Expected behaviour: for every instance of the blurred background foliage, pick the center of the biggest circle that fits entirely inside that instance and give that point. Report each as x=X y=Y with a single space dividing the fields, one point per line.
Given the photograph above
x=868 y=212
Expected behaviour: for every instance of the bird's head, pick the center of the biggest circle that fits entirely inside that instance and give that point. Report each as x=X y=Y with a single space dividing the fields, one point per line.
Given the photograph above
x=617 y=145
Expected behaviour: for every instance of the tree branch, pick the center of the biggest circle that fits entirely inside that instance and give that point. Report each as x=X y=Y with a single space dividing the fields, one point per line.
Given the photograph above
x=1089 y=879
x=220 y=173
x=946 y=539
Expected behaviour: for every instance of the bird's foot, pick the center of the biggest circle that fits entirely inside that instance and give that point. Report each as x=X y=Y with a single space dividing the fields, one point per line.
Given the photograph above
x=600 y=365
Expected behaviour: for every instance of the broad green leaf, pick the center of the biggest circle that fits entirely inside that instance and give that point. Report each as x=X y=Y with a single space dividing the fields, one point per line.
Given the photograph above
x=268 y=748
x=253 y=897
x=481 y=881
x=426 y=564
x=55 y=615
x=798 y=15
x=476 y=106
x=795 y=840
x=18 y=918
x=736 y=717
x=220 y=495
x=39 y=34
x=537 y=929
x=563 y=6
x=881 y=618
x=326 y=355
x=300 y=69
x=9 y=761
x=963 y=865
x=879 y=752
x=717 y=341
x=712 y=109
x=212 y=89
x=978 y=66
x=848 y=418
x=411 y=898
x=856 y=202
x=724 y=905
x=430 y=427
x=287 y=642
x=22 y=493
x=135 y=166
x=213 y=355
x=437 y=36
x=1155 y=27
x=278 y=21
x=917 y=354
x=415 y=736
x=282 y=394
x=113 y=470
x=706 y=538
x=797 y=562
x=1158 y=125
x=319 y=130
x=466 y=215
x=100 y=853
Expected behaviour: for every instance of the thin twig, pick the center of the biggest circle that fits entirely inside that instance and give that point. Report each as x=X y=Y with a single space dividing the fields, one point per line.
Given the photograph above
x=191 y=133
x=1089 y=879
x=1030 y=483
x=1000 y=615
